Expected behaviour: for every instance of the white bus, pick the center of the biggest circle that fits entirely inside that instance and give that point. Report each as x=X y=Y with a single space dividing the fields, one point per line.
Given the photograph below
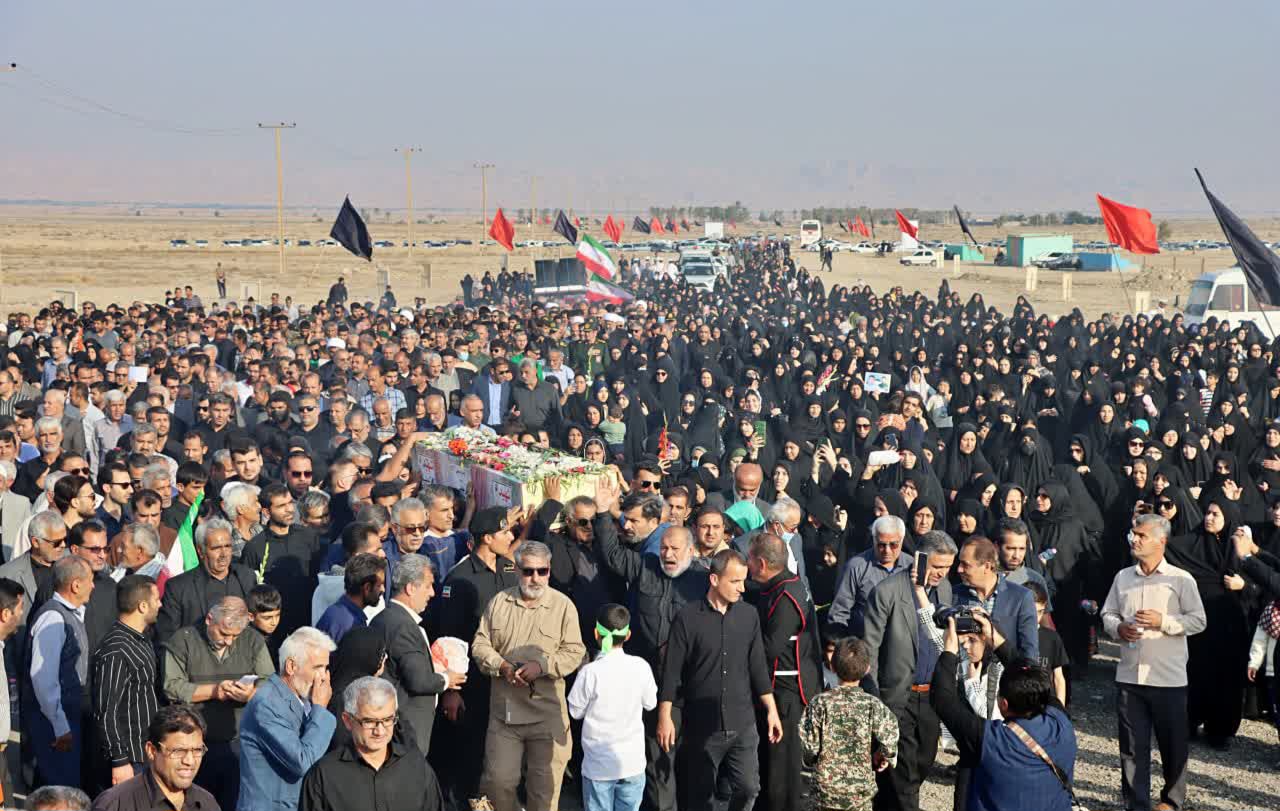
x=810 y=232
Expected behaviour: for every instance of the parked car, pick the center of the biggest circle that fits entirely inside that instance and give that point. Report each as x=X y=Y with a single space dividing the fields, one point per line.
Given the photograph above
x=1067 y=261
x=1043 y=260
x=923 y=257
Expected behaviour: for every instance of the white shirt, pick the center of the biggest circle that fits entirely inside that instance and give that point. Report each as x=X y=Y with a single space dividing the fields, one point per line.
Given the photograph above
x=609 y=696
x=1159 y=658
x=47 y=637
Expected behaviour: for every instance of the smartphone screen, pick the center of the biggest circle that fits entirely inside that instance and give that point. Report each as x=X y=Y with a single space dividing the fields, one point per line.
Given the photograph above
x=922 y=568
x=762 y=430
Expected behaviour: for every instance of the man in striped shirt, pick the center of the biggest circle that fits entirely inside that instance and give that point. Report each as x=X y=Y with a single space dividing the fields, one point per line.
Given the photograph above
x=124 y=679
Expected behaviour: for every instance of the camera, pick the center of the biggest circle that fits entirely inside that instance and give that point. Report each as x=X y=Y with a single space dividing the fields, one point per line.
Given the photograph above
x=965 y=621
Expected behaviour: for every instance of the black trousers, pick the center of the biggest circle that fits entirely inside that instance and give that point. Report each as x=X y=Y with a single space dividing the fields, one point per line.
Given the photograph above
x=721 y=771
x=782 y=784
x=660 y=779
x=1140 y=711
x=918 y=730
x=457 y=748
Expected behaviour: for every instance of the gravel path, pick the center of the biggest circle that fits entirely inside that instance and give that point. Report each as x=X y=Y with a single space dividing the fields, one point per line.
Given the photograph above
x=1246 y=777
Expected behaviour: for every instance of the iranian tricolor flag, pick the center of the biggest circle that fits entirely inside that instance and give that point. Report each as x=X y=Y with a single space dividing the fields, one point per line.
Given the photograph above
x=600 y=290
x=595 y=258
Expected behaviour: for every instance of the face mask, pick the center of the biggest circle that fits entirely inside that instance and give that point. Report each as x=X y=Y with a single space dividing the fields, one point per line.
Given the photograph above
x=463 y=355
x=787 y=536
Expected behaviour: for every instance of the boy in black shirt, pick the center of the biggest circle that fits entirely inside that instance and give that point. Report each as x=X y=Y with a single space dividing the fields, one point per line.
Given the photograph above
x=1053 y=654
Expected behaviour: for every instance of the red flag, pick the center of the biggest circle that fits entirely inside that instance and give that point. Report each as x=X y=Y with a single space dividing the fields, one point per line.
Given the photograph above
x=910 y=230
x=1130 y=228
x=862 y=226
x=656 y=226
x=733 y=225
x=546 y=220
x=577 y=223
x=663 y=442
x=611 y=229
x=672 y=227
x=502 y=231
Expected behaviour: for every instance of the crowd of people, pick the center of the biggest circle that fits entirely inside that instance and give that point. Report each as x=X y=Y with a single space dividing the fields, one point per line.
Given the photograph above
x=840 y=530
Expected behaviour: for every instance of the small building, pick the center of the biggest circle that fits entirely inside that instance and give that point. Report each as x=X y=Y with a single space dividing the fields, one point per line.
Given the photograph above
x=1023 y=249
x=965 y=251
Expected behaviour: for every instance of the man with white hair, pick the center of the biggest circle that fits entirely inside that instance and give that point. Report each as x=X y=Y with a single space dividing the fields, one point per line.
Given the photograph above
x=374 y=763
x=866 y=571
x=188 y=596
x=782 y=519
x=32 y=474
x=14 y=509
x=287 y=726
x=55 y=405
x=33 y=569
x=240 y=505
x=108 y=430
x=527 y=642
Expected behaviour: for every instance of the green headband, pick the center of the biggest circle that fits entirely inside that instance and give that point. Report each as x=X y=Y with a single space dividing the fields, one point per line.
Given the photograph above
x=607 y=635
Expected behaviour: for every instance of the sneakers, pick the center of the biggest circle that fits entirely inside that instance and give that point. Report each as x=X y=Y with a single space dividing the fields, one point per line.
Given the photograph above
x=480 y=804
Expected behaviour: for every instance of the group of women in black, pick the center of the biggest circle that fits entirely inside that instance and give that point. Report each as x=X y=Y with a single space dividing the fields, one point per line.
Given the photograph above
x=1072 y=425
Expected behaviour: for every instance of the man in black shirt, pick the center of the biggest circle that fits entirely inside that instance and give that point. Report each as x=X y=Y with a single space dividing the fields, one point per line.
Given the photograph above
x=188 y=596
x=715 y=664
x=123 y=670
x=285 y=556
x=374 y=769
x=456 y=612
x=175 y=749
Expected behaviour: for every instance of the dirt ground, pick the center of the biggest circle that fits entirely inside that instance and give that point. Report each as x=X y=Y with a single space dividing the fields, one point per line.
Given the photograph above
x=109 y=254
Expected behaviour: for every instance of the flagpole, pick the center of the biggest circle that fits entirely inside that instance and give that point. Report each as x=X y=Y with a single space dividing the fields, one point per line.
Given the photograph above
x=408 y=186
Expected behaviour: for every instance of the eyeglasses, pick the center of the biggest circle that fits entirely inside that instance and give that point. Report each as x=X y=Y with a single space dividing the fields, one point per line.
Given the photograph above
x=541 y=571
x=1164 y=505
x=308 y=409
x=94 y=550
x=125 y=485
x=413 y=529
x=79 y=471
x=645 y=484
x=57 y=543
x=582 y=522
x=196 y=752
x=862 y=426
x=300 y=474
x=370 y=724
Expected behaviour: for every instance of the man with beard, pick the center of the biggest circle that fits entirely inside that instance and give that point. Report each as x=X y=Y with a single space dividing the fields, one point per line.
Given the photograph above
x=278 y=420
x=660 y=587
x=287 y=726
x=528 y=641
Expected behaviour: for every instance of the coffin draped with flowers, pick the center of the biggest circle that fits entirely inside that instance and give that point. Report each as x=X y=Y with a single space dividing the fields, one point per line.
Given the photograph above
x=500 y=471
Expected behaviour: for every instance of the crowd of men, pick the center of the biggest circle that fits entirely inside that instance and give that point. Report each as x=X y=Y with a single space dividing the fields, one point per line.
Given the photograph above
x=838 y=527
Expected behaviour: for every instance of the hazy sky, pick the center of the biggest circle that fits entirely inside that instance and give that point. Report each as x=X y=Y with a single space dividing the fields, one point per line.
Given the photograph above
x=997 y=105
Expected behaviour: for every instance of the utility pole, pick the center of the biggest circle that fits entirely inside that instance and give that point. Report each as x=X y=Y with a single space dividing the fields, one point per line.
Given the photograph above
x=11 y=67
x=279 y=187
x=408 y=186
x=484 y=197
x=533 y=200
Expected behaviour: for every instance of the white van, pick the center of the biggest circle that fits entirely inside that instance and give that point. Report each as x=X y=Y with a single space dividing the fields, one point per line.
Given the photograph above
x=700 y=269
x=1223 y=294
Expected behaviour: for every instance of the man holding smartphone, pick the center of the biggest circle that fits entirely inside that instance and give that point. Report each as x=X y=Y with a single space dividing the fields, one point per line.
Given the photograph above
x=904 y=643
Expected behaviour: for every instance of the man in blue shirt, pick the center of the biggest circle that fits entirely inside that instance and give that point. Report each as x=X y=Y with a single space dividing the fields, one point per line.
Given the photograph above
x=641 y=521
x=363 y=581
x=864 y=572
x=425 y=527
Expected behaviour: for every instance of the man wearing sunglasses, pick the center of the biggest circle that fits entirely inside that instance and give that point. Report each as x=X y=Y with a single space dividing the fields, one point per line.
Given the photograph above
x=33 y=569
x=528 y=641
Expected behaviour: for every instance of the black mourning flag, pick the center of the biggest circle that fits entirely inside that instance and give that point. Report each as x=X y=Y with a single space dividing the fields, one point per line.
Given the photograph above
x=778 y=223
x=565 y=228
x=1260 y=264
x=964 y=226
x=350 y=232
x=842 y=228
x=640 y=225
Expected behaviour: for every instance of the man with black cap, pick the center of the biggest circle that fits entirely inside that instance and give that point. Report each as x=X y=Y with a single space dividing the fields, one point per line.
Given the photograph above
x=467 y=590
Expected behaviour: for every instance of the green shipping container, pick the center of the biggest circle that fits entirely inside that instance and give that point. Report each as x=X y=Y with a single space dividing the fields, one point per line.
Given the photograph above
x=966 y=252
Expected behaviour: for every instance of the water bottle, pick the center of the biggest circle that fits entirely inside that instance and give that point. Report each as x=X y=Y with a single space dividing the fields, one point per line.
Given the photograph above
x=1048 y=555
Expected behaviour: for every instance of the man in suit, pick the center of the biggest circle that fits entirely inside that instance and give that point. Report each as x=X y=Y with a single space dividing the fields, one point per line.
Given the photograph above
x=33 y=569
x=409 y=664
x=189 y=596
x=73 y=437
x=904 y=643
x=1010 y=606
x=493 y=387
x=14 y=509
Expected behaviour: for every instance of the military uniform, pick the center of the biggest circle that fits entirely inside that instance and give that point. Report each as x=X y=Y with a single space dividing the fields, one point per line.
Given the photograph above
x=838 y=730
x=460 y=602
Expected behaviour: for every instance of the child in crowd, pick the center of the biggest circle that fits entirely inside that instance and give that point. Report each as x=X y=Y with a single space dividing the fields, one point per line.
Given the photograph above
x=848 y=735
x=609 y=696
x=1262 y=656
x=264 y=617
x=1053 y=654
x=614 y=431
